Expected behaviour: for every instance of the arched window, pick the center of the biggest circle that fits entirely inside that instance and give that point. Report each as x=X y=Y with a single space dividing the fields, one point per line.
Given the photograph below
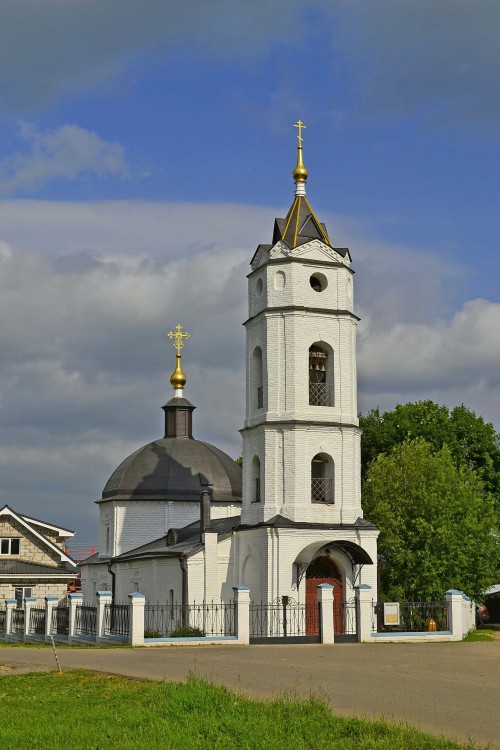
x=258 y=378
x=322 y=479
x=320 y=376
x=256 y=483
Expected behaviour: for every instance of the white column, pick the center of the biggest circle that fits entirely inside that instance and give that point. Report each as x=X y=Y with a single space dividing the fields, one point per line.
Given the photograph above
x=455 y=599
x=29 y=602
x=50 y=603
x=364 y=606
x=325 y=601
x=241 y=596
x=10 y=604
x=103 y=598
x=136 y=619
x=211 y=588
x=74 y=600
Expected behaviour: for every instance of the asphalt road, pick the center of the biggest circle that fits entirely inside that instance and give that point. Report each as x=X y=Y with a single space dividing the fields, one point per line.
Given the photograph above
x=448 y=689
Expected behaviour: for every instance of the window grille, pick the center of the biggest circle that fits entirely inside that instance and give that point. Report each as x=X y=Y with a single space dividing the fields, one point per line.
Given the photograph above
x=322 y=490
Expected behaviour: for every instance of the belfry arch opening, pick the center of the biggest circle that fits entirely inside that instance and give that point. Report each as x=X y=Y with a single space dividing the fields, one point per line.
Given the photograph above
x=320 y=375
x=258 y=378
x=322 y=479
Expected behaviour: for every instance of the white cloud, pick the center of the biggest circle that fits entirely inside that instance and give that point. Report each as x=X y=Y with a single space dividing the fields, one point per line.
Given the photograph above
x=65 y=153
x=88 y=292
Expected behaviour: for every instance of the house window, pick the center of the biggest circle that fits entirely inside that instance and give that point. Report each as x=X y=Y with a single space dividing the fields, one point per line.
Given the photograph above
x=21 y=594
x=10 y=546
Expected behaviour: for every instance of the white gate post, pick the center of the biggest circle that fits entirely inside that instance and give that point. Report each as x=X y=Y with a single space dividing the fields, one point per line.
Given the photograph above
x=136 y=619
x=103 y=598
x=454 y=599
x=50 y=603
x=74 y=600
x=241 y=596
x=29 y=602
x=325 y=601
x=10 y=605
x=363 y=595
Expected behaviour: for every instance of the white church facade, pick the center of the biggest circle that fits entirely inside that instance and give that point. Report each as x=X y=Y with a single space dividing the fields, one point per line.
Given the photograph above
x=180 y=522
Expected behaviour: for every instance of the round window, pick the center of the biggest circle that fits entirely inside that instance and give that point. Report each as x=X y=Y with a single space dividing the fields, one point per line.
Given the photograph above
x=318 y=282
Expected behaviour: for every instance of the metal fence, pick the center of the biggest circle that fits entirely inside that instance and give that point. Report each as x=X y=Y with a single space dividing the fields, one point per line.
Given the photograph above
x=37 y=620
x=345 y=620
x=17 y=622
x=85 y=620
x=116 y=619
x=3 y=615
x=284 y=620
x=60 y=620
x=206 y=619
x=414 y=617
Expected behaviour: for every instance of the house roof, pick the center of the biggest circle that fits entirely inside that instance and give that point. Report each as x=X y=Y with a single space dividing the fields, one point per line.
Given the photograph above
x=25 y=522
x=16 y=568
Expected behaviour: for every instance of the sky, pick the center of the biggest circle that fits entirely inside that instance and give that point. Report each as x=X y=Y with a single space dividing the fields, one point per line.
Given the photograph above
x=145 y=149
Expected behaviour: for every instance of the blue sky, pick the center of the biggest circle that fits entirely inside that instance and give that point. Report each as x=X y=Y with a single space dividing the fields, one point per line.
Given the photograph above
x=145 y=149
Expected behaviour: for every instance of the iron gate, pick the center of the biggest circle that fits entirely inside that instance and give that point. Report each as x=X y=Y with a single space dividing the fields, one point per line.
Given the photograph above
x=284 y=621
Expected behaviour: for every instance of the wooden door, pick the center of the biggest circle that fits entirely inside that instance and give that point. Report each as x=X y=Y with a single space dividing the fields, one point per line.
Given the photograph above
x=324 y=570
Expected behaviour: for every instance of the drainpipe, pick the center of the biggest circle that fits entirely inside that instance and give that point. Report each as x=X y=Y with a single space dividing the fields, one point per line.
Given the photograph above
x=113 y=582
x=183 y=564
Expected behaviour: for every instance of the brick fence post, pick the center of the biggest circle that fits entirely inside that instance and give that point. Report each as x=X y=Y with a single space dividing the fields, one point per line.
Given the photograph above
x=455 y=599
x=363 y=596
x=103 y=598
x=241 y=596
x=325 y=602
x=29 y=603
x=136 y=619
x=50 y=603
x=74 y=601
x=10 y=605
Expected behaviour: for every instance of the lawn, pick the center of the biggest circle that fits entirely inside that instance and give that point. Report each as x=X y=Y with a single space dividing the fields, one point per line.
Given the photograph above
x=82 y=711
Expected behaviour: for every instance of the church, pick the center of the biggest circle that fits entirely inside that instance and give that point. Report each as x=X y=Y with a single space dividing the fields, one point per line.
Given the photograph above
x=181 y=522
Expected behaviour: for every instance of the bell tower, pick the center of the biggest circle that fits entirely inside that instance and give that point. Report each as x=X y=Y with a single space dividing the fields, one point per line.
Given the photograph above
x=301 y=439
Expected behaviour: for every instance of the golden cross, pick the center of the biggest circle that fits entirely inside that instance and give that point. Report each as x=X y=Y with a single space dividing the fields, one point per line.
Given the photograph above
x=178 y=336
x=299 y=124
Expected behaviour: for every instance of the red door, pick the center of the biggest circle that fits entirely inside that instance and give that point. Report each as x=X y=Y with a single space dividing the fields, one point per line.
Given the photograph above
x=324 y=570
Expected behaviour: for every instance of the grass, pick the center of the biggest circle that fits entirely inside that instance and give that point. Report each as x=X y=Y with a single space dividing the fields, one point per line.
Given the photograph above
x=84 y=711
x=482 y=633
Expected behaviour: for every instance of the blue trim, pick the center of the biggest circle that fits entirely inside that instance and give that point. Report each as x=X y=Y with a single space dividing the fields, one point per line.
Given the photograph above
x=75 y=596
x=362 y=587
x=324 y=586
x=136 y=595
x=419 y=633
x=455 y=591
x=51 y=598
x=11 y=601
x=103 y=593
x=241 y=588
x=203 y=639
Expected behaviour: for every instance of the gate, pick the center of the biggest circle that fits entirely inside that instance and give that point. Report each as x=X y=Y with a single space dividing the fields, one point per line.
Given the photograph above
x=346 y=621
x=284 y=621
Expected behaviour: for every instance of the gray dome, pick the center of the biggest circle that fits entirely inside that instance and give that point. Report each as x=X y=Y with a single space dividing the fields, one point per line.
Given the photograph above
x=175 y=469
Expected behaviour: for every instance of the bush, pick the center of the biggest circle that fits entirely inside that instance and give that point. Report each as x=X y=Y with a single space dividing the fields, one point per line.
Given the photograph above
x=187 y=632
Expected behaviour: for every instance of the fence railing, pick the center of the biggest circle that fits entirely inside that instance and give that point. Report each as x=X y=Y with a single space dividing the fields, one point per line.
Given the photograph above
x=320 y=394
x=208 y=619
x=60 y=620
x=3 y=617
x=345 y=617
x=86 y=620
x=37 y=620
x=322 y=490
x=284 y=618
x=414 y=617
x=117 y=619
x=17 y=620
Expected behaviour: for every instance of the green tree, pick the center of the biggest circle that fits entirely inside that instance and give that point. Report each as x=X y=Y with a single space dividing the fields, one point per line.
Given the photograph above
x=472 y=442
x=438 y=526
